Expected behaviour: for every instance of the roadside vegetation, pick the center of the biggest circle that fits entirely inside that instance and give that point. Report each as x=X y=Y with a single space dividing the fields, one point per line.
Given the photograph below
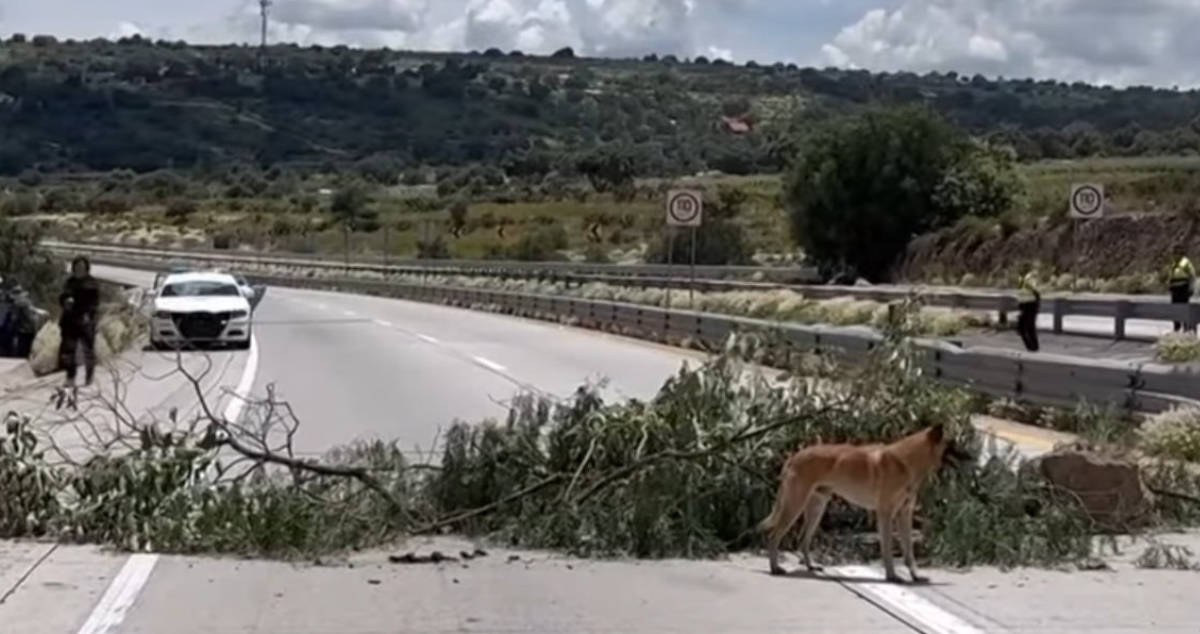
x=688 y=473
x=1177 y=348
x=24 y=265
x=497 y=154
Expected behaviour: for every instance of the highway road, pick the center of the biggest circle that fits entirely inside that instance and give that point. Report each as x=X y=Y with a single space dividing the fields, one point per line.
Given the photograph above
x=361 y=367
x=356 y=367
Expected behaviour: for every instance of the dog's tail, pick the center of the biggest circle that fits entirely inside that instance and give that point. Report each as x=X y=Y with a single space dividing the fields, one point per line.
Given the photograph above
x=772 y=520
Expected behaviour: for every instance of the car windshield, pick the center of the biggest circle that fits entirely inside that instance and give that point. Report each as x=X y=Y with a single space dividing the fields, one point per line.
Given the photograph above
x=199 y=289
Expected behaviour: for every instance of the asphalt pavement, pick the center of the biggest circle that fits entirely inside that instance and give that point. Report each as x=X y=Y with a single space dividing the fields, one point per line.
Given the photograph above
x=357 y=367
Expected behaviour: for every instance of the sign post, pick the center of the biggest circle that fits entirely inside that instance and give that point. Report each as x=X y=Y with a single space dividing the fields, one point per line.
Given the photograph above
x=1087 y=200
x=386 y=259
x=685 y=208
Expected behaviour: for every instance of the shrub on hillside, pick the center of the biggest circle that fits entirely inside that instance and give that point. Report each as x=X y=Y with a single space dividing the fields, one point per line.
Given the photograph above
x=543 y=243
x=179 y=209
x=863 y=186
x=20 y=204
x=23 y=261
x=434 y=248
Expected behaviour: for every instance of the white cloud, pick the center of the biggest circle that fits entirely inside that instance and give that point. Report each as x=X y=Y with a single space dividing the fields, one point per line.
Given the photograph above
x=126 y=29
x=1118 y=42
x=591 y=27
x=716 y=52
x=1108 y=41
x=366 y=15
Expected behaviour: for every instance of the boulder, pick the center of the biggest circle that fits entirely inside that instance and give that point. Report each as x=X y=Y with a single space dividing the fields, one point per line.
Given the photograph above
x=43 y=358
x=112 y=335
x=1111 y=489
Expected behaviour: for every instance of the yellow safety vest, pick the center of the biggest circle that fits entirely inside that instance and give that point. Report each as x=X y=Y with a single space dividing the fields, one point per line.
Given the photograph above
x=1183 y=270
x=1027 y=289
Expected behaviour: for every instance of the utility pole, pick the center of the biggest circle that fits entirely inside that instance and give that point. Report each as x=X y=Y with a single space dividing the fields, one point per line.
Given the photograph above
x=263 y=7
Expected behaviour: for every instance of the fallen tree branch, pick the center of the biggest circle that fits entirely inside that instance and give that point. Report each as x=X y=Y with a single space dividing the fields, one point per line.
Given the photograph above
x=671 y=454
x=487 y=508
x=1175 y=495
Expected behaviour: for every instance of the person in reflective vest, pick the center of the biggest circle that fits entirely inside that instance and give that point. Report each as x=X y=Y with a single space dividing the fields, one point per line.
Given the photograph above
x=1182 y=281
x=1029 y=301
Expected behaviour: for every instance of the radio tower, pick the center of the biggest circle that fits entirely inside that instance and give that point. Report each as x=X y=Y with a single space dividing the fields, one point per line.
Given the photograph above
x=263 y=7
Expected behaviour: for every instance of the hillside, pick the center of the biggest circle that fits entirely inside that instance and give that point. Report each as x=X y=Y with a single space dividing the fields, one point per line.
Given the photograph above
x=134 y=104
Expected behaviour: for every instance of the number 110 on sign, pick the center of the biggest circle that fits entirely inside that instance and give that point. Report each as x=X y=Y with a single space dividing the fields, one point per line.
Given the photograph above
x=685 y=208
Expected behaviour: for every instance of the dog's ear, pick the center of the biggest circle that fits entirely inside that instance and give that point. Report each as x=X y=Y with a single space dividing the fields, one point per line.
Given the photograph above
x=937 y=433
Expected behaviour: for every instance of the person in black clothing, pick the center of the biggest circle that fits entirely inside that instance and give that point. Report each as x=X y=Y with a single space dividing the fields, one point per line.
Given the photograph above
x=80 y=300
x=1029 y=300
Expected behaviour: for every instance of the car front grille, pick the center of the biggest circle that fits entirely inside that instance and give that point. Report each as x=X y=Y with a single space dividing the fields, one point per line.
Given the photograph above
x=200 y=325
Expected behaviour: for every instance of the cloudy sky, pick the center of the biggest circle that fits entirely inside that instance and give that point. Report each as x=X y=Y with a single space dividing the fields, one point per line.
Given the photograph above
x=1120 y=42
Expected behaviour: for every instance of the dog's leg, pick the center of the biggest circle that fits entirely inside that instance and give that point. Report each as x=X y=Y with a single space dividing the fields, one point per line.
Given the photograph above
x=885 y=516
x=906 y=543
x=793 y=497
x=813 y=512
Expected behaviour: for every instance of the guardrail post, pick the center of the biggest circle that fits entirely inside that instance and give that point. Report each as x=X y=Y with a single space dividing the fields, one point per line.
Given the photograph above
x=1059 y=309
x=1119 y=319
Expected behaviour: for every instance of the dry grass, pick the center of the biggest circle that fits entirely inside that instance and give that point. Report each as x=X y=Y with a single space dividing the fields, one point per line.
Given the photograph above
x=1177 y=348
x=1173 y=434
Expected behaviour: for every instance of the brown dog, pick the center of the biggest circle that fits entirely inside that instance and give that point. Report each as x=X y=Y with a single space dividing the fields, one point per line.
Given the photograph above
x=880 y=478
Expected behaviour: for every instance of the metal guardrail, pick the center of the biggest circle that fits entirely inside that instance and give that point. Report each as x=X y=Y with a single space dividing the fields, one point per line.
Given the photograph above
x=1043 y=378
x=502 y=268
x=1118 y=308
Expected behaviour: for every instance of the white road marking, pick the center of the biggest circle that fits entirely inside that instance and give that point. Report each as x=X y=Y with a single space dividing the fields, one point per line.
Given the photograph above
x=383 y=322
x=426 y=338
x=120 y=595
x=349 y=313
x=321 y=306
x=233 y=411
x=488 y=363
x=902 y=603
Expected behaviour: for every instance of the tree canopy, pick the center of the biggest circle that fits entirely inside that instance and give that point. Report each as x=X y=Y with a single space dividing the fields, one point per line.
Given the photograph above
x=863 y=186
x=146 y=106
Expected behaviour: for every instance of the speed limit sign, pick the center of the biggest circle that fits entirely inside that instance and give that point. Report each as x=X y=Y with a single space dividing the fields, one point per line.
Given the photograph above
x=685 y=208
x=1087 y=200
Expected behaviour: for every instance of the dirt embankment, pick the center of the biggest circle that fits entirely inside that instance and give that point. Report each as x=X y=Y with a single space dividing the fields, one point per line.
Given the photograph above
x=1134 y=249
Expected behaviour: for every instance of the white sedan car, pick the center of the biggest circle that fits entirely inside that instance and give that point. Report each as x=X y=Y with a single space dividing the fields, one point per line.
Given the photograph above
x=200 y=308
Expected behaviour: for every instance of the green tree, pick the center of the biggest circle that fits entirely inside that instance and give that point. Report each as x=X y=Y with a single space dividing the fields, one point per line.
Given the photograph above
x=608 y=168
x=349 y=207
x=22 y=260
x=179 y=209
x=541 y=244
x=864 y=186
x=458 y=214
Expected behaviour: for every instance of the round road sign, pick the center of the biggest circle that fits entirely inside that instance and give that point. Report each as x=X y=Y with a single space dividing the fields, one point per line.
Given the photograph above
x=684 y=207
x=1087 y=200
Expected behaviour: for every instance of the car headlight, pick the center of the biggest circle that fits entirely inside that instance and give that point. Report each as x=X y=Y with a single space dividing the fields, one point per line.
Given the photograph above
x=162 y=314
x=238 y=314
